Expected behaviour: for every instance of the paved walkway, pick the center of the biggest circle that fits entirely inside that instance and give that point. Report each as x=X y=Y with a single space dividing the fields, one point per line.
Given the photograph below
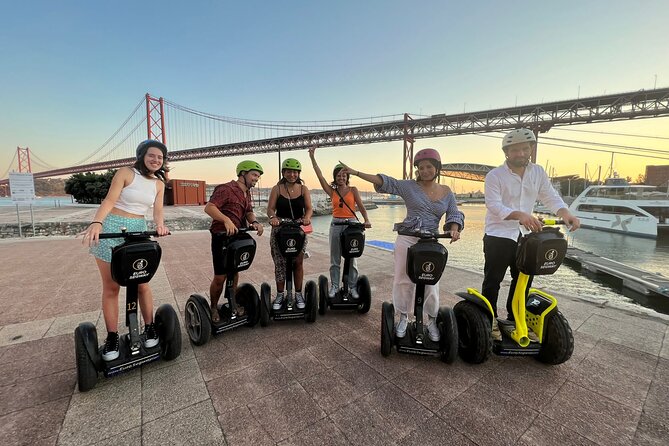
x=322 y=383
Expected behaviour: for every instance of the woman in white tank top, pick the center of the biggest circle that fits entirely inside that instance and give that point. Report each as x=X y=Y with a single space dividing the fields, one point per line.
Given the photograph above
x=132 y=193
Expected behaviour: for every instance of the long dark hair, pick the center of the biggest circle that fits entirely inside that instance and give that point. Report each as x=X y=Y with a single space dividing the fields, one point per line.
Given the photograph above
x=283 y=179
x=140 y=165
x=334 y=177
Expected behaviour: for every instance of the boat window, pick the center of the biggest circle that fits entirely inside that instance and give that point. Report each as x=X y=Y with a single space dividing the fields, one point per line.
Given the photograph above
x=604 y=209
x=660 y=212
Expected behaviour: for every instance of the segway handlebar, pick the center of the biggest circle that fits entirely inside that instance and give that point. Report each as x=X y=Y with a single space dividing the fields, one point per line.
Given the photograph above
x=290 y=222
x=126 y=235
x=422 y=234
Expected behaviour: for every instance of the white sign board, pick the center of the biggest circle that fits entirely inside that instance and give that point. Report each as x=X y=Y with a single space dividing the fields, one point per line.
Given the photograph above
x=22 y=186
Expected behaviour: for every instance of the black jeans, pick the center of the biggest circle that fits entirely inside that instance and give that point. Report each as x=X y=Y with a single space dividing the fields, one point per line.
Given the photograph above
x=500 y=254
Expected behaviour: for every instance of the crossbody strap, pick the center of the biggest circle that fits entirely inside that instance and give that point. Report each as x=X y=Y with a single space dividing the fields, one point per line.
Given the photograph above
x=344 y=201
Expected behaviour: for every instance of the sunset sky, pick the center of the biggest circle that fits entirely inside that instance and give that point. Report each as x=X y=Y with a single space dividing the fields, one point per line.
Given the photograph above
x=72 y=71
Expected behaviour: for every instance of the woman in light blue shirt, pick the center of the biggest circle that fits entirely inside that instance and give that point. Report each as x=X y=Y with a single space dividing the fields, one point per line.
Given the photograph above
x=426 y=201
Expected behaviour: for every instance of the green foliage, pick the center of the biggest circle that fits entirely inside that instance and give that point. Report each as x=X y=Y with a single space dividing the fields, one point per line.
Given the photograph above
x=89 y=187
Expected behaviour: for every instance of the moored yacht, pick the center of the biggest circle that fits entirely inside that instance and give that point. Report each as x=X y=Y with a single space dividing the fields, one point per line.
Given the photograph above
x=630 y=209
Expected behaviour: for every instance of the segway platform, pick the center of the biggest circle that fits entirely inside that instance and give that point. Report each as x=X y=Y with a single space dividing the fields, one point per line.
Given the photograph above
x=508 y=347
x=127 y=361
x=410 y=344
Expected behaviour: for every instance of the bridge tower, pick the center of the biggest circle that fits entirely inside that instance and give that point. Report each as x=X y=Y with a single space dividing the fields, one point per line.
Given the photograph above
x=23 y=157
x=155 y=119
x=408 y=148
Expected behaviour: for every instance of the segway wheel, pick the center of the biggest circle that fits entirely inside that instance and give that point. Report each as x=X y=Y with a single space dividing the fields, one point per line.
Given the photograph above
x=198 y=319
x=312 y=301
x=322 y=294
x=474 y=332
x=365 y=292
x=558 y=341
x=169 y=332
x=448 y=330
x=247 y=297
x=387 y=328
x=85 y=335
x=265 y=304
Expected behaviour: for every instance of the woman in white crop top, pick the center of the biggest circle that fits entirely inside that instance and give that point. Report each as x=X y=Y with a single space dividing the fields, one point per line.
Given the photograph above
x=132 y=193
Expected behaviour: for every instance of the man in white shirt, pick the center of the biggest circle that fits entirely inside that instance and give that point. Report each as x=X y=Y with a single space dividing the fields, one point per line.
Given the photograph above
x=511 y=191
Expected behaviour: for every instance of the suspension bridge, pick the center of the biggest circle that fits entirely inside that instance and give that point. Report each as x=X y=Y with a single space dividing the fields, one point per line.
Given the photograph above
x=197 y=135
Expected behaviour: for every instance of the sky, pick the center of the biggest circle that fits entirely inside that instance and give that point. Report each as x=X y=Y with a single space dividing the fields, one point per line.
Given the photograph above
x=73 y=70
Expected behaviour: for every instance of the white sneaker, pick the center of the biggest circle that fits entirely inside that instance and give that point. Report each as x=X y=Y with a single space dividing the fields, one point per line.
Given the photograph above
x=401 y=328
x=433 y=329
x=354 y=292
x=333 y=291
x=111 y=351
x=278 y=301
x=299 y=299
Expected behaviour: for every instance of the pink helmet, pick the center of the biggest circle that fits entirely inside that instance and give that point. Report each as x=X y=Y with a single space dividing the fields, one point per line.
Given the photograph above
x=427 y=154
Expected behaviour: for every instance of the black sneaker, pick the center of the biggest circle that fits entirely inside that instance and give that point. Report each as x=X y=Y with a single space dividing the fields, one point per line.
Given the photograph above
x=151 y=334
x=110 y=351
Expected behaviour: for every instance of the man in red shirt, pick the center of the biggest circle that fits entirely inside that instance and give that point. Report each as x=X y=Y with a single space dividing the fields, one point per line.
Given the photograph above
x=230 y=207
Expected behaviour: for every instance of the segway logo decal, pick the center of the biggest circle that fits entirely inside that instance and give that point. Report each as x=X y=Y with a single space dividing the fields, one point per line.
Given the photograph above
x=139 y=264
x=534 y=302
x=290 y=245
x=428 y=267
x=354 y=243
x=245 y=256
x=551 y=254
x=353 y=246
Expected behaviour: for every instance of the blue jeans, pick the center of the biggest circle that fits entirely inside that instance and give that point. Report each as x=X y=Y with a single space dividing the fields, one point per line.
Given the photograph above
x=335 y=256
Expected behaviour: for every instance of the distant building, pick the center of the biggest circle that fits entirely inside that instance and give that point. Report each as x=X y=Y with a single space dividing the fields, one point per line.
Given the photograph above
x=657 y=175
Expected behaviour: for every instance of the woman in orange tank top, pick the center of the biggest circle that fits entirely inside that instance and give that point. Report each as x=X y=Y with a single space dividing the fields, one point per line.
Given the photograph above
x=344 y=200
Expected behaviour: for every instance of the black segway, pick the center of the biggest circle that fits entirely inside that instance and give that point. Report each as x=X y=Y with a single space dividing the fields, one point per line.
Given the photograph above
x=426 y=261
x=290 y=238
x=133 y=262
x=352 y=242
x=539 y=253
x=239 y=251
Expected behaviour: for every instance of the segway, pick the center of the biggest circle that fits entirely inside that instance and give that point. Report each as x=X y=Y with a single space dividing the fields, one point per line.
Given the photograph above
x=426 y=261
x=352 y=242
x=290 y=238
x=239 y=251
x=539 y=253
x=133 y=262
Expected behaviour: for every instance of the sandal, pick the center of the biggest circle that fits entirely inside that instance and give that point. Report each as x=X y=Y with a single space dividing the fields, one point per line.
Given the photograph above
x=215 y=317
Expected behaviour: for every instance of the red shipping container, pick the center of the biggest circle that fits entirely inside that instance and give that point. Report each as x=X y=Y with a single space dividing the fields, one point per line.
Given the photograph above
x=185 y=192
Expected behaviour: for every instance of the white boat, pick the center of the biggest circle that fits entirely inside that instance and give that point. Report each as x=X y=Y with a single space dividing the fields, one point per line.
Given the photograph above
x=630 y=209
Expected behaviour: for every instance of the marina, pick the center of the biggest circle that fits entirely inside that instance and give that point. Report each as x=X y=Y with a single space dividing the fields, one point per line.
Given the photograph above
x=627 y=276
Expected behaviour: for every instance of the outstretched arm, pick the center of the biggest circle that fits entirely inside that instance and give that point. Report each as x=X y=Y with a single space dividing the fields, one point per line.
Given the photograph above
x=374 y=179
x=321 y=179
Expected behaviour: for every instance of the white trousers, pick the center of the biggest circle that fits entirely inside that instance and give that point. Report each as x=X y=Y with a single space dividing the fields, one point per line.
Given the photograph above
x=404 y=289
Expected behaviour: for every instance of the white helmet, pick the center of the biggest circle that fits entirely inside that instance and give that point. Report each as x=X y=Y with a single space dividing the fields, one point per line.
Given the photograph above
x=518 y=136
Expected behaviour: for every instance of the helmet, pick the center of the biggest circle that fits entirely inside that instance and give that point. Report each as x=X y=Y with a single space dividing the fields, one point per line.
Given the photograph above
x=144 y=146
x=517 y=136
x=427 y=154
x=247 y=165
x=292 y=164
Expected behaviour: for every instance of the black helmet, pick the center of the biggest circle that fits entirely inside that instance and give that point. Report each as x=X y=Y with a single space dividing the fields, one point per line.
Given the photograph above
x=144 y=146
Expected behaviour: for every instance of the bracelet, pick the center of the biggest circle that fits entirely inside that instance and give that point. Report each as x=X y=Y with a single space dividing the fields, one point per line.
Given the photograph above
x=99 y=222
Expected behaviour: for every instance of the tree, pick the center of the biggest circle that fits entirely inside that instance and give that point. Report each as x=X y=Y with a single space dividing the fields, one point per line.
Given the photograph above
x=641 y=179
x=89 y=187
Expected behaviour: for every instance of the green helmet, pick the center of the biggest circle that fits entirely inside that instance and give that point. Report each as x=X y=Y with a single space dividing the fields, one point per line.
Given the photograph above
x=292 y=164
x=247 y=165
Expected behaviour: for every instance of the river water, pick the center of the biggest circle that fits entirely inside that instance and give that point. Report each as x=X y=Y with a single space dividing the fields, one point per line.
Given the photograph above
x=650 y=255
